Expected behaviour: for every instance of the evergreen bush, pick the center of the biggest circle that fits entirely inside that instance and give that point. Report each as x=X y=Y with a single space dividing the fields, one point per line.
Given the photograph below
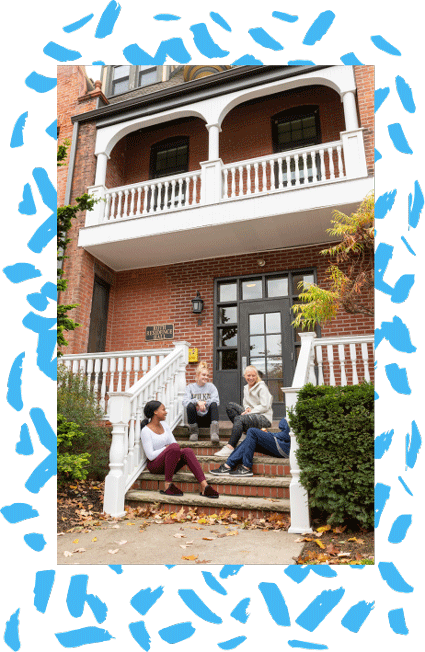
x=71 y=466
x=335 y=433
x=79 y=407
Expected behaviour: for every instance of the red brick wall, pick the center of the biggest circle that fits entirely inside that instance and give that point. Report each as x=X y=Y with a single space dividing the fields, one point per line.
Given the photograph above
x=365 y=82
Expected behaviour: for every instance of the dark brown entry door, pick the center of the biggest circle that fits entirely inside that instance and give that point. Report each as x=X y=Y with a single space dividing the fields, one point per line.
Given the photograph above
x=98 y=316
x=266 y=342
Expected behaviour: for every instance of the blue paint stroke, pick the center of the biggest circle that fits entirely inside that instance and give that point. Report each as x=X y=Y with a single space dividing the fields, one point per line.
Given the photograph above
x=44 y=581
x=384 y=45
x=27 y=205
x=398 y=378
x=240 y=612
x=275 y=603
x=117 y=568
x=77 y=597
x=195 y=604
x=378 y=155
x=140 y=634
x=401 y=289
x=228 y=571
x=382 y=493
x=413 y=445
x=384 y=204
x=107 y=20
x=17 y=512
x=11 y=632
x=297 y=573
x=356 y=615
x=46 y=342
x=59 y=53
x=399 y=528
x=213 y=583
x=169 y=566
x=17 y=139
x=39 y=83
x=173 y=47
x=408 y=247
x=45 y=187
x=20 y=272
x=397 y=621
x=24 y=445
x=220 y=21
x=397 y=334
x=47 y=468
x=14 y=384
x=319 y=608
x=40 y=300
x=286 y=17
x=247 y=60
x=307 y=646
x=415 y=206
x=404 y=485
x=145 y=599
x=382 y=443
x=43 y=235
x=203 y=41
x=319 y=27
x=166 y=17
x=35 y=541
x=98 y=63
x=381 y=94
x=232 y=643
x=78 y=24
x=264 y=39
x=177 y=633
x=350 y=59
x=324 y=571
x=392 y=577
x=83 y=636
x=399 y=139
x=405 y=94
x=300 y=62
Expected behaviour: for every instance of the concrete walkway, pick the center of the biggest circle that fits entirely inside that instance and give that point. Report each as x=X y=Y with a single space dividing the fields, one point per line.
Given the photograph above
x=135 y=542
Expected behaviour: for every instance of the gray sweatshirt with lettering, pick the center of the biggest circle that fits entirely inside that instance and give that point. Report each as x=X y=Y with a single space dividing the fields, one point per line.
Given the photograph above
x=195 y=393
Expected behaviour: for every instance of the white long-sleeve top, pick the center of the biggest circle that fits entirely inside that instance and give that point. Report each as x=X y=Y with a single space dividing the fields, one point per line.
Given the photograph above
x=154 y=444
x=259 y=399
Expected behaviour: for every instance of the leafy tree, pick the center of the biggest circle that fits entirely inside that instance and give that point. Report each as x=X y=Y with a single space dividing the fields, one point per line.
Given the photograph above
x=350 y=273
x=65 y=216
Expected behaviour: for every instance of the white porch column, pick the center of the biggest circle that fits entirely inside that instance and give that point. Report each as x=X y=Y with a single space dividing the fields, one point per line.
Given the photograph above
x=350 y=110
x=102 y=162
x=119 y=415
x=213 y=141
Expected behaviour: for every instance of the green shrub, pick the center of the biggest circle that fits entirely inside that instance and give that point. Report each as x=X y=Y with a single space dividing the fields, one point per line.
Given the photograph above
x=335 y=433
x=71 y=466
x=79 y=407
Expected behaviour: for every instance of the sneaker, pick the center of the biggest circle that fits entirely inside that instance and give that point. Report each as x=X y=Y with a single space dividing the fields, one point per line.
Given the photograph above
x=241 y=471
x=209 y=492
x=222 y=470
x=224 y=452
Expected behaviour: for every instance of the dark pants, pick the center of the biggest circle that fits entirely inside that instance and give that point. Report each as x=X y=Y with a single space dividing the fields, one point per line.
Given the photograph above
x=172 y=459
x=202 y=421
x=260 y=441
x=241 y=422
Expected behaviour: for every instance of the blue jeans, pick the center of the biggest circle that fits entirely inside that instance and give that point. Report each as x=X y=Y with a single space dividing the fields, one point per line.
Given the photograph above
x=260 y=441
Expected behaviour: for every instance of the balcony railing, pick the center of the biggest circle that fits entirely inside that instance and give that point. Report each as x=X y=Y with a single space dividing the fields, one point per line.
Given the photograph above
x=214 y=182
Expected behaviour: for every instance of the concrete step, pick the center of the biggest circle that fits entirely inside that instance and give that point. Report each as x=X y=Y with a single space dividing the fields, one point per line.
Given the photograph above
x=182 y=432
x=243 y=506
x=255 y=486
x=207 y=448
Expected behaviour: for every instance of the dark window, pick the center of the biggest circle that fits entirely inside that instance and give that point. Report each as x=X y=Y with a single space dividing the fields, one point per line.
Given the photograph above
x=299 y=127
x=170 y=157
x=98 y=316
x=146 y=75
x=121 y=79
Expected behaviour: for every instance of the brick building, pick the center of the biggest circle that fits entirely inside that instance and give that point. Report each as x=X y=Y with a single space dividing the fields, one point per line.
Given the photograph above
x=217 y=182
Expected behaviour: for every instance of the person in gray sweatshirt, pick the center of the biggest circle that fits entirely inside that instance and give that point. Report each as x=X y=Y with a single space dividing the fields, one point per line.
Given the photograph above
x=201 y=401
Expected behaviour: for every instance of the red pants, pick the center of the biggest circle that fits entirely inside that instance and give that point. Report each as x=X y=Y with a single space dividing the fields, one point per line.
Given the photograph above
x=172 y=459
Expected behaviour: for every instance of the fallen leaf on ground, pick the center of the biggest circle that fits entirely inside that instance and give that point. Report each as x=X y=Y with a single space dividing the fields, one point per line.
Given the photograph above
x=340 y=529
x=76 y=541
x=320 y=544
x=121 y=543
x=61 y=534
x=112 y=552
x=94 y=539
x=115 y=527
x=67 y=553
x=229 y=534
x=208 y=538
x=80 y=550
x=324 y=528
x=344 y=554
x=202 y=561
x=179 y=536
x=332 y=550
x=191 y=557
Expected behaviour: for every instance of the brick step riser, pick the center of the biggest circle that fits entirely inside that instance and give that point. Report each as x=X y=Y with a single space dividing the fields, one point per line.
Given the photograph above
x=208 y=511
x=228 y=490
x=268 y=470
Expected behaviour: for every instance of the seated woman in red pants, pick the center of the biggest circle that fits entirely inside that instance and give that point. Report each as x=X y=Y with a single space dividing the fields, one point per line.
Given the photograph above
x=164 y=453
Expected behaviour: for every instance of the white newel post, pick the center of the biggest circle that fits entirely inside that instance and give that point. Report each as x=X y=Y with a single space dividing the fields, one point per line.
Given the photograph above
x=354 y=153
x=119 y=415
x=181 y=375
x=300 y=513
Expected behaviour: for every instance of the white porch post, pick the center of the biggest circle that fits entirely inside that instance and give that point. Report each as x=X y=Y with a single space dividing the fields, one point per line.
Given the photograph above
x=352 y=139
x=119 y=414
x=214 y=130
x=350 y=110
x=98 y=191
x=211 y=169
x=102 y=162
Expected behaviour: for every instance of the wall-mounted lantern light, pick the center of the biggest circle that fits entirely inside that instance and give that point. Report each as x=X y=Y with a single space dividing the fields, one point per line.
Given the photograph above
x=197 y=304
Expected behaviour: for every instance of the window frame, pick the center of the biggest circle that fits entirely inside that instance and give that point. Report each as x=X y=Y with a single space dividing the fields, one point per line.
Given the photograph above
x=174 y=141
x=290 y=115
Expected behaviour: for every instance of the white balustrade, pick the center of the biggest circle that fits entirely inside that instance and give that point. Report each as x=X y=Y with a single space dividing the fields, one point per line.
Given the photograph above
x=164 y=382
x=331 y=361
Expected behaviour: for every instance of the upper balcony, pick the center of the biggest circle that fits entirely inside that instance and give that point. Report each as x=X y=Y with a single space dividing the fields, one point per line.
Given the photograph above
x=248 y=171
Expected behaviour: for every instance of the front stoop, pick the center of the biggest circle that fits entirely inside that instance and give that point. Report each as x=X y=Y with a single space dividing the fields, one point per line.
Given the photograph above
x=267 y=491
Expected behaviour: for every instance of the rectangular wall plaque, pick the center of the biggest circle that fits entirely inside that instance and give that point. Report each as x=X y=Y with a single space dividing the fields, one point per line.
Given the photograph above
x=160 y=332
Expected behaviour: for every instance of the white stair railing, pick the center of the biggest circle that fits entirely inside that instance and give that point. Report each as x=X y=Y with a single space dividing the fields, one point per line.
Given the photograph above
x=331 y=361
x=166 y=383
